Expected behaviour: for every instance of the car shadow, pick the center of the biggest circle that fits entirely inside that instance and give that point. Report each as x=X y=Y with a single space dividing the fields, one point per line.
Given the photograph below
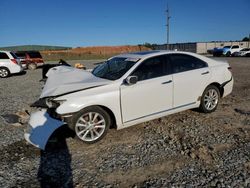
x=19 y=74
x=55 y=161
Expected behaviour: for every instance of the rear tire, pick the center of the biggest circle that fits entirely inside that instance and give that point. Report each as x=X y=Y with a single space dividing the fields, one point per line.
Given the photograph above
x=4 y=72
x=90 y=124
x=32 y=66
x=210 y=99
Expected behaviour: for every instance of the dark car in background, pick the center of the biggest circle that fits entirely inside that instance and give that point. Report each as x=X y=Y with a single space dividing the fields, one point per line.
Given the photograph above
x=217 y=52
x=30 y=59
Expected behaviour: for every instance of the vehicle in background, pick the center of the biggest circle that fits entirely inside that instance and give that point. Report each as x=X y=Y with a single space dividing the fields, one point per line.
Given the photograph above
x=30 y=59
x=125 y=90
x=9 y=64
x=217 y=52
x=245 y=52
x=210 y=51
x=226 y=50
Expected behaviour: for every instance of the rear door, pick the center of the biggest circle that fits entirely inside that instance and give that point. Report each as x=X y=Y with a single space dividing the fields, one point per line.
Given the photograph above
x=190 y=77
x=152 y=93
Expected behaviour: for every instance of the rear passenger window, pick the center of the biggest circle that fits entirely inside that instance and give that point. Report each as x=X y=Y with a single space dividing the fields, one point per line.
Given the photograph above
x=152 y=68
x=3 y=55
x=34 y=55
x=182 y=63
x=235 y=47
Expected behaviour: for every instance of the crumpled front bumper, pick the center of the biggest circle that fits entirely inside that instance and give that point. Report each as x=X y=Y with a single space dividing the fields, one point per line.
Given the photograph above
x=40 y=127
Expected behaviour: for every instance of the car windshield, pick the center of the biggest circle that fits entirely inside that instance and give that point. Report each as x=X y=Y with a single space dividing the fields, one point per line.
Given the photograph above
x=227 y=47
x=114 y=68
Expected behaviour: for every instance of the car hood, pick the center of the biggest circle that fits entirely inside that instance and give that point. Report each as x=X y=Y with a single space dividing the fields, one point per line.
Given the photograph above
x=63 y=79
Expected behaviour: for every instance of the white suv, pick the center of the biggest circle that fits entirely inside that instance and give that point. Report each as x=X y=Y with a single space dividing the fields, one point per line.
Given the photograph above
x=9 y=64
x=230 y=50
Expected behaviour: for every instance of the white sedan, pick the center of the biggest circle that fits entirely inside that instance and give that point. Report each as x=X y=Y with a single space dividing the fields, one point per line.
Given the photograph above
x=125 y=90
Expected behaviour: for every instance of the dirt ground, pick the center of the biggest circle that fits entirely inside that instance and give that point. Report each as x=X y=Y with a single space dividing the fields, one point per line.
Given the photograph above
x=188 y=149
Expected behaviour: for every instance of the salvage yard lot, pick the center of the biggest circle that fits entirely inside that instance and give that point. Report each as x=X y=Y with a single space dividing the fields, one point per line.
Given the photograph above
x=188 y=148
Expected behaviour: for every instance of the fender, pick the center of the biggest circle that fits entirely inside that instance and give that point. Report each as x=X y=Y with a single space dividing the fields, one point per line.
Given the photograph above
x=40 y=127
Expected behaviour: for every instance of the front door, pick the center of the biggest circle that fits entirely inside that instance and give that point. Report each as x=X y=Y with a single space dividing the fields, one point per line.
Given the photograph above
x=152 y=94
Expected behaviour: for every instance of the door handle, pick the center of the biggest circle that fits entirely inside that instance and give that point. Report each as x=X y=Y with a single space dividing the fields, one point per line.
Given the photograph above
x=205 y=73
x=167 y=82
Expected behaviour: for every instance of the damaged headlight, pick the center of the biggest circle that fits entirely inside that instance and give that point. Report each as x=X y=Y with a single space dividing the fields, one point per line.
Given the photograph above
x=53 y=103
x=47 y=103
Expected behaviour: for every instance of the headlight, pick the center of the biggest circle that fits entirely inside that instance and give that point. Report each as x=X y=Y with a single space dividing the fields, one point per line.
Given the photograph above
x=54 y=103
x=47 y=103
x=60 y=101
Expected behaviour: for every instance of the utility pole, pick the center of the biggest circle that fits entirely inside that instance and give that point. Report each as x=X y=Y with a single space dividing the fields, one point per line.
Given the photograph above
x=168 y=26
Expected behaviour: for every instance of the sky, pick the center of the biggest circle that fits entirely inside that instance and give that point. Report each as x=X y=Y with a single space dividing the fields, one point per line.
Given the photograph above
x=76 y=23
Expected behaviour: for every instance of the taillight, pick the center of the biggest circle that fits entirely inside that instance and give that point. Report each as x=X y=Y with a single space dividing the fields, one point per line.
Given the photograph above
x=14 y=61
x=230 y=69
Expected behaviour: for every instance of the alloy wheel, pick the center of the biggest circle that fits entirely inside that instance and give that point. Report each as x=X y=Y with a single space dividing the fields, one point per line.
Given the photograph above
x=211 y=99
x=90 y=126
x=3 y=73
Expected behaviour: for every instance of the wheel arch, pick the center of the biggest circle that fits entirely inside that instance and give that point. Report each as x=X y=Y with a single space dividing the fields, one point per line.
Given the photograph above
x=5 y=68
x=216 y=84
x=110 y=113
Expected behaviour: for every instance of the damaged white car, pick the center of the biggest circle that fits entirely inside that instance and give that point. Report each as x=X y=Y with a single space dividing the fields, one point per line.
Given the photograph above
x=127 y=89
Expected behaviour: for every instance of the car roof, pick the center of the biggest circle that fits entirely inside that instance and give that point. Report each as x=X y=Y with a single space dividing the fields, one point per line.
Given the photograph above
x=3 y=51
x=151 y=53
x=147 y=54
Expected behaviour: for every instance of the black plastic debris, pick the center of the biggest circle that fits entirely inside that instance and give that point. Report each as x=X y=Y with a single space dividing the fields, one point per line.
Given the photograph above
x=10 y=118
x=243 y=112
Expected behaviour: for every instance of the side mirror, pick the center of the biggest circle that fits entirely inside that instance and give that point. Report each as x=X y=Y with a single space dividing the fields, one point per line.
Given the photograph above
x=132 y=80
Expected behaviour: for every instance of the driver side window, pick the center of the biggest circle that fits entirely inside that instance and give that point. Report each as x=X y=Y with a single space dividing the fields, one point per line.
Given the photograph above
x=151 y=68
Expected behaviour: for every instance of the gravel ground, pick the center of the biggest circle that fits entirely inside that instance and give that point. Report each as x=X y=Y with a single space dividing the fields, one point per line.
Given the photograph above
x=188 y=149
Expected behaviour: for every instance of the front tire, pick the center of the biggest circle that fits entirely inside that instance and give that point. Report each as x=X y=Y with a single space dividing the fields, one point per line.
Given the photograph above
x=32 y=66
x=210 y=99
x=4 y=72
x=91 y=124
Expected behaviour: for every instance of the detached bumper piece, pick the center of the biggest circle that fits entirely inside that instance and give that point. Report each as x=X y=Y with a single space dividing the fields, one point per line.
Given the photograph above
x=40 y=127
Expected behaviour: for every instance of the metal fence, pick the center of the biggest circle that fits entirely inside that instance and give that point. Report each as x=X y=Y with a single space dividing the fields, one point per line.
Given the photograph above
x=200 y=47
x=189 y=47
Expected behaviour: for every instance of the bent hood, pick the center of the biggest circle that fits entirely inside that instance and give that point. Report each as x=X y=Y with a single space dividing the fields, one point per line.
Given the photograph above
x=63 y=79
